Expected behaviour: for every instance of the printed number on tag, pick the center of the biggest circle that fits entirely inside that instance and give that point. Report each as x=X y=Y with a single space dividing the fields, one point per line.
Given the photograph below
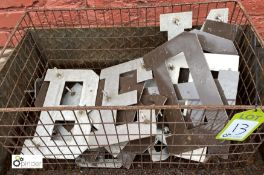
x=238 y=129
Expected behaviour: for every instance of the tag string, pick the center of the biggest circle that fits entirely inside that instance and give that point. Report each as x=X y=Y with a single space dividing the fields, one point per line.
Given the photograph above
x=256 y=74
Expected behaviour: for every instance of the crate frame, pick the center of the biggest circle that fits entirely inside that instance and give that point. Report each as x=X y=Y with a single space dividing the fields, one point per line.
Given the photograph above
x=38 y=19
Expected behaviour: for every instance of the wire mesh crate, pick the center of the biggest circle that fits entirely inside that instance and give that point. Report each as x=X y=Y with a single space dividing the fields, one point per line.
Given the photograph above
x=98 y=38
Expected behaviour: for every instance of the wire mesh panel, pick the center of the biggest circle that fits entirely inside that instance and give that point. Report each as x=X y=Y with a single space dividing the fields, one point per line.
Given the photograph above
x=95 y=39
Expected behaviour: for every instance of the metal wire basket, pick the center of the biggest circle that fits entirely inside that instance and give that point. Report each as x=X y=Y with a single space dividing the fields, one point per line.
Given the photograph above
x=98 y=38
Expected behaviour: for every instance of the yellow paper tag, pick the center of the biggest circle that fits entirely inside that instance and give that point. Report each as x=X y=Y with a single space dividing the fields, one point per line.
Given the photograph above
x=242 y=125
